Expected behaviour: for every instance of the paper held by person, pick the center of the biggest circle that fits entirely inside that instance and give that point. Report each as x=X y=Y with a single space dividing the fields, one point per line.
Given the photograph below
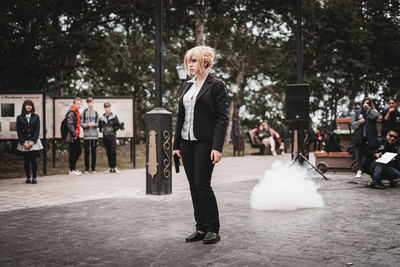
x=386 y=158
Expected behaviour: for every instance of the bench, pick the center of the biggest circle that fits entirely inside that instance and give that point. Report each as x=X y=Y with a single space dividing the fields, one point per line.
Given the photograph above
x=344 y=124
x=251 y=134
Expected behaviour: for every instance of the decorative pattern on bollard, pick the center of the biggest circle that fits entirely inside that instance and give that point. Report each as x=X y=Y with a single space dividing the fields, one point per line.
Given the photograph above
x=158 y=152
x=152 y=162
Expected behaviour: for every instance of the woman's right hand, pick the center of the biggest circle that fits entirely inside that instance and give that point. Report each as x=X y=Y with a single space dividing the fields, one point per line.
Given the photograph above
x=177 y=152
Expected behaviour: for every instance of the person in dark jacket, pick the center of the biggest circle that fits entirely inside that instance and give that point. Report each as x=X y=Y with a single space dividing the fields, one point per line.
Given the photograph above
x=109 y=125
x=199 y=137
x=365 y=131
x=390 y=117
x=74 y=129
x=380 y=171
x=28 y=130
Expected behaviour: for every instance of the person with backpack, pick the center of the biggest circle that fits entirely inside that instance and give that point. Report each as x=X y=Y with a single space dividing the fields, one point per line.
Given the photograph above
x=89 y=124
x=365 y=130
x=109 y=125
x=73 y=122
x=28 y=130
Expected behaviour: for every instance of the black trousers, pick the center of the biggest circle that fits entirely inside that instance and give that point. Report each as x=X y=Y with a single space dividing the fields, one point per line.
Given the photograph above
x=111 y=148
x=75 y=151
x=30 y=160
x=360 y=147
x=90 y=145
x=198 y=167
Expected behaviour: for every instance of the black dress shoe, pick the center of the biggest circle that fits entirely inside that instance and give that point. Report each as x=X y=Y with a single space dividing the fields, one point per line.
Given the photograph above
x=28 y=180
x=34 y=181
x=392 y=184
x=377 y=185
x=211 y=238
x=196 y=236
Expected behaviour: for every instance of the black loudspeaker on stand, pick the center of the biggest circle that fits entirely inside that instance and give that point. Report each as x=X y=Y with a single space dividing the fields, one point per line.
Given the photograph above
x=297 y=113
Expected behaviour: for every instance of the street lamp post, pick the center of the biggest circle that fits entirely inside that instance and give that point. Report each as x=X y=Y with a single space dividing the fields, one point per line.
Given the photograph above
x=299 y=37
x=158 y=127
x=234 y=89
x=326 y=104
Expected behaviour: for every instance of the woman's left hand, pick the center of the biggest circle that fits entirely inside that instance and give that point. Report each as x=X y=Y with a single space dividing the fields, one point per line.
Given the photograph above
x=31 y=143
x=215 y=156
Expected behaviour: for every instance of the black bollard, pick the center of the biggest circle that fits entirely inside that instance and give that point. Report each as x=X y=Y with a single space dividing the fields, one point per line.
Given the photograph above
x=158 y=152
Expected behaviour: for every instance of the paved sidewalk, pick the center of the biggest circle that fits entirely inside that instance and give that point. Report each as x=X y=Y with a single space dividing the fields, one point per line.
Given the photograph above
x=108 y=220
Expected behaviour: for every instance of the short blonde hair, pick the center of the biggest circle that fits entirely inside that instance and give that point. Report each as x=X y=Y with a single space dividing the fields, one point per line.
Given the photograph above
x=204 y=55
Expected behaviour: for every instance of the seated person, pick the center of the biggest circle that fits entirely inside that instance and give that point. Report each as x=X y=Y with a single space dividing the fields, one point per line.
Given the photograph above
x=269 y=137
x=380 y=171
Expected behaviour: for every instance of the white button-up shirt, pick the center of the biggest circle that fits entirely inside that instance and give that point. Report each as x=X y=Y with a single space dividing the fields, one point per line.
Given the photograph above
x=189 y=100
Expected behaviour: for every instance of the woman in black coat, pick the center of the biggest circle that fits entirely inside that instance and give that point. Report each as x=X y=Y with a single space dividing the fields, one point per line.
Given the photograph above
x=199 y=137
x=28 y=130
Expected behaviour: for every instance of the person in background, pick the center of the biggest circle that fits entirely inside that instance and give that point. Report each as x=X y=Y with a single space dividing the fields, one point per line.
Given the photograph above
x=390 y=117
x=365 y=130
x=28 y=130
x=89 y=123
x=318 y=139
x=380 y=171
x=74 y=129
x=268 y=137
x=109 y=125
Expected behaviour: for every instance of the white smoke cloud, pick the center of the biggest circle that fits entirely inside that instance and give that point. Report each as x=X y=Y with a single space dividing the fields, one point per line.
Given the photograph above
x=285 y=188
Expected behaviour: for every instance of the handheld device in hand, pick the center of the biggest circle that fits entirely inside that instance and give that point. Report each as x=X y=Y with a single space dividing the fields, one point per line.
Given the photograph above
x=177 y=163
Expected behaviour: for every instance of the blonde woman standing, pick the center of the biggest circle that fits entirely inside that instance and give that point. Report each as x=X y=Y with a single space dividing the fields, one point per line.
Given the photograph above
x=199 y=137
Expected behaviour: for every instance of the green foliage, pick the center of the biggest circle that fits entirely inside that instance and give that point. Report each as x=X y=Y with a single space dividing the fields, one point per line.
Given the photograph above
x=99 y=47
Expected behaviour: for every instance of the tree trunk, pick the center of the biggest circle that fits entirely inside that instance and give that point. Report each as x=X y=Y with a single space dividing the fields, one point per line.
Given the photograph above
x=200 y=12
x=237 y=101
x=228 y=136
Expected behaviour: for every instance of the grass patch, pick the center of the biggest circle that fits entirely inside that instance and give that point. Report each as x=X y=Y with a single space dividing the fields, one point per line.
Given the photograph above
x=13 y=166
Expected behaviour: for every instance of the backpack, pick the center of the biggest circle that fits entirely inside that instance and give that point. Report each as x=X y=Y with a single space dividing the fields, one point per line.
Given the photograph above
x=64 y=127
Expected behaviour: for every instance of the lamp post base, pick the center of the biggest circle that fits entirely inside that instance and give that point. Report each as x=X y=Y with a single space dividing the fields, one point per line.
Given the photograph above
x=158 y=152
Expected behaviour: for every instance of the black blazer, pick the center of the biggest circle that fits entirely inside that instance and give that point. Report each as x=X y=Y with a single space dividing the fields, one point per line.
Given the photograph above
x=392 y=123
x=28 y=131
x=210 y=113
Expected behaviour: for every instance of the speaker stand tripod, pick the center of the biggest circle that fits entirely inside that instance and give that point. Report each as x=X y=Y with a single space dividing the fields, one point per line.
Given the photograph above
x=300 y=157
